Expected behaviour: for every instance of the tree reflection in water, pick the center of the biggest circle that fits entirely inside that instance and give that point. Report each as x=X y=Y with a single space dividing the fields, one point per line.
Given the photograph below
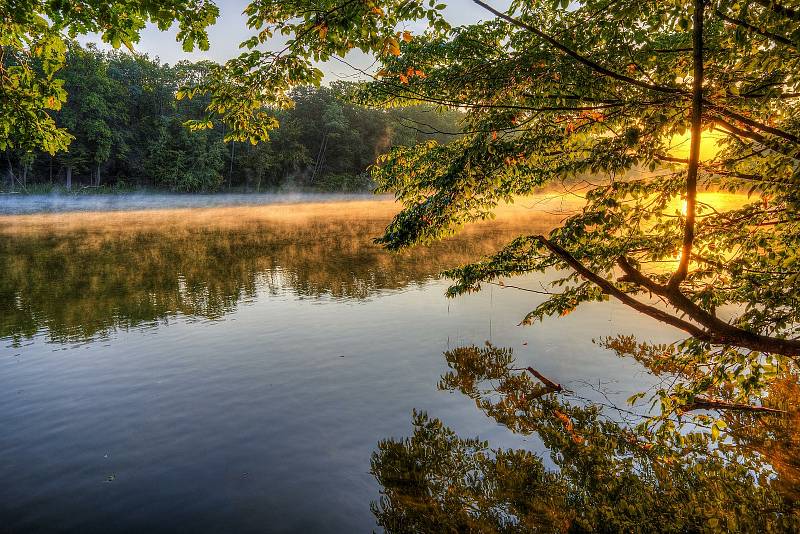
x=610 y=475
x=75 y=276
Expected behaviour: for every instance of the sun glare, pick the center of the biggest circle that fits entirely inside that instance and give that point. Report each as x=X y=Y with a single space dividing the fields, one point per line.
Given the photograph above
x=709 y=147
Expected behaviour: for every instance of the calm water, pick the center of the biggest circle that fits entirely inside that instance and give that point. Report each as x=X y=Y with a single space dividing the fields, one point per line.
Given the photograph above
x=231 y=369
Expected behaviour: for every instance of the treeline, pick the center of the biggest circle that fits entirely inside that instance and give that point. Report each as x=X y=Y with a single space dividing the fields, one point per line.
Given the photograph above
x=129 y=132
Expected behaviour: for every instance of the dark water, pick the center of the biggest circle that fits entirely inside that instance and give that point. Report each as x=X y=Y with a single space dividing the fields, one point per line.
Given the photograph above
x=233 y=369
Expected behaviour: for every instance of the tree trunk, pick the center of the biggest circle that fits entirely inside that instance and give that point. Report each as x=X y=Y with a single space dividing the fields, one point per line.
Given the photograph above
x=69 y=177
x=97 y=176
x=230 y=171
x=10 y=172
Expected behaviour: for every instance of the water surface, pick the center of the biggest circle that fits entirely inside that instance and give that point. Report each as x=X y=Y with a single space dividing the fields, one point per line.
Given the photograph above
x=231 y=369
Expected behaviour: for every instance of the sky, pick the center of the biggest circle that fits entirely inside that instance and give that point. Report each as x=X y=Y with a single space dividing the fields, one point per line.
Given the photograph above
x=231 y=29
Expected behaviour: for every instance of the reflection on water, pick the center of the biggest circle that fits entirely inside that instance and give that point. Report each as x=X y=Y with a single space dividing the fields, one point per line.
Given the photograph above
x=79 y=275
x=232 y=369
x=606 y=477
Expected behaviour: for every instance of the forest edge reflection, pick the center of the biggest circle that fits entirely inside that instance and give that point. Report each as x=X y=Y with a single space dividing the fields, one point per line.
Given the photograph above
x=129 y=269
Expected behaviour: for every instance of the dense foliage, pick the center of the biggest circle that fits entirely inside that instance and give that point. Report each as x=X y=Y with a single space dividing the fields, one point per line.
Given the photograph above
x=33 y=47
x=128 y=129
x=597 y=91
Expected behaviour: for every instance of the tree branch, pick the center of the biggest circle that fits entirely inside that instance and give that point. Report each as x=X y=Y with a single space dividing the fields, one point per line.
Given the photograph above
x=755 y=29
x=620 y=295
x=778 y=9
x=549 y=384
x=705 y=403
x=575 y=55
x=717 y=331
x=752 y=122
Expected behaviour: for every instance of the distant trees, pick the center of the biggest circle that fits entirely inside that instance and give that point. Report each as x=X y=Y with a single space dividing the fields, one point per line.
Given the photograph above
x=129 y=129
x=95 y=114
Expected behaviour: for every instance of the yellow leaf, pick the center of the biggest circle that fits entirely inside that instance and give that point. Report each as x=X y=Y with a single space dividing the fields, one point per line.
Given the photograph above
x=407 y=36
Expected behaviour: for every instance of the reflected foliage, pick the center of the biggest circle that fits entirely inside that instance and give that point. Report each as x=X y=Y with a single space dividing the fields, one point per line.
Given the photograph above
x=77 y=276
x=607 y=475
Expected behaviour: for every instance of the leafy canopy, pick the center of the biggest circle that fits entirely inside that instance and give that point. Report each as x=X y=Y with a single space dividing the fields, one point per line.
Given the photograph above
x=33 y=37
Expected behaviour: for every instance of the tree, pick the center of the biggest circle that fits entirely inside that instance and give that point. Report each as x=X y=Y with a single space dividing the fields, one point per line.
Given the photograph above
x=33 y=42
x=95 y=113
x=566 y=90
x=128 y=129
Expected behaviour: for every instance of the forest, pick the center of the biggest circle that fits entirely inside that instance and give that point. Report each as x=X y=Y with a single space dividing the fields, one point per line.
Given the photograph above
x=130 y=133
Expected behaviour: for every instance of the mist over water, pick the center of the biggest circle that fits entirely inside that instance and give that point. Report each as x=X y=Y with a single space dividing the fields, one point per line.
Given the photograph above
x=11 y=204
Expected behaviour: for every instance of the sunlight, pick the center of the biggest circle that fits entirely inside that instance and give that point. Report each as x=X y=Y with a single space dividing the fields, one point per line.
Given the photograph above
x=709 y=145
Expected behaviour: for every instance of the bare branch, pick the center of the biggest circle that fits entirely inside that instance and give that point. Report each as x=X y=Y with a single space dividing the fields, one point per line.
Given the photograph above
x=705 y=403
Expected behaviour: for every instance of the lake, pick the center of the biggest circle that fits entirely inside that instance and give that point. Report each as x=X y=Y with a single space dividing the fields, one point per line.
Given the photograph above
x=232 y=368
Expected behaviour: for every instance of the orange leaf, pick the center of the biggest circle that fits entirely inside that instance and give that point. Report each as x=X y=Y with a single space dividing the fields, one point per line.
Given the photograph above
x=564 y=418
x=394 y=47
x=407 y=36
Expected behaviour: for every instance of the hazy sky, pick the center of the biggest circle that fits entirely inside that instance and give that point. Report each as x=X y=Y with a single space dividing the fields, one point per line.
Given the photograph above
x=231 y=29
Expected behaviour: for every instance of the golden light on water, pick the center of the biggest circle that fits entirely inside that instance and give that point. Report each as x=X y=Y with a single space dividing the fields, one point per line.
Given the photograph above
x=547 y=208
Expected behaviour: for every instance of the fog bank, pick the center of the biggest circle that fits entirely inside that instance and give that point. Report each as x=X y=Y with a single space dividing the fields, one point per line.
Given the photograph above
x=11 y=204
